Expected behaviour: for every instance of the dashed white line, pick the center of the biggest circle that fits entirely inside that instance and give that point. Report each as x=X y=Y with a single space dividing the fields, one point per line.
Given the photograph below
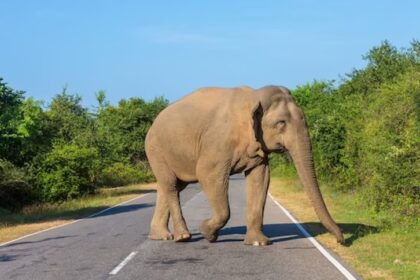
x=327 y=255
x=123 y=263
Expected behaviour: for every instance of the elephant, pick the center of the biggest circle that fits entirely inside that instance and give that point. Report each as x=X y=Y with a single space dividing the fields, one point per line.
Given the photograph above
x=213 y=133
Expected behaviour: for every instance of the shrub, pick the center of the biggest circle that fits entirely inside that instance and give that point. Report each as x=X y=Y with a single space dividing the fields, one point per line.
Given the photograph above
x=15 y=191
x=68 y=171
x=120 y=174
x=390 y=145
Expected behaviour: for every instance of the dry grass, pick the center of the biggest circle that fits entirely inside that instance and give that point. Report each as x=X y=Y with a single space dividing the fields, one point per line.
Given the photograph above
x=12 y=232
x=34 y=218
x=375 y=252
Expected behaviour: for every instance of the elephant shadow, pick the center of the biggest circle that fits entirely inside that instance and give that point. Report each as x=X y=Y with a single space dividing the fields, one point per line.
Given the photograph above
x=289 y=231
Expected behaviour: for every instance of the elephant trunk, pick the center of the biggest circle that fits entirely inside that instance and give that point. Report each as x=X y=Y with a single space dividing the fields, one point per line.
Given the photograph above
x=302 y=157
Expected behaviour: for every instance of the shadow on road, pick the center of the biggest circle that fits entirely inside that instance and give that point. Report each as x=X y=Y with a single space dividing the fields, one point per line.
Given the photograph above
x=7 y=258
x=289 y=231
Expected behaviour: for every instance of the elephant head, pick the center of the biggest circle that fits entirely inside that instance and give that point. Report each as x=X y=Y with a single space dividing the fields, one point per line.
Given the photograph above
x=282 y=128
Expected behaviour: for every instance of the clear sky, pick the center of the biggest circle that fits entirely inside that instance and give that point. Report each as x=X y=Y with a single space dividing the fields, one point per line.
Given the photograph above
x=169 y=48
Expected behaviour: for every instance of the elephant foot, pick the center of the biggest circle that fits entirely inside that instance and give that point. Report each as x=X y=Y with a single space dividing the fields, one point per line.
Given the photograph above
x=160 y=235
x=208 y=234
x=256 y=239
x=182 y=237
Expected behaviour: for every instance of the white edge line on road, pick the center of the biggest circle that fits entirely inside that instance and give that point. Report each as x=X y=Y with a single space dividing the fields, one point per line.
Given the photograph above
x=72 y=222
x=123 y=263
x=327 y=255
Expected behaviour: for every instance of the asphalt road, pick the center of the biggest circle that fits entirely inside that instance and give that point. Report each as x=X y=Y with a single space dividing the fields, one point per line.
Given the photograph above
x=114 y=245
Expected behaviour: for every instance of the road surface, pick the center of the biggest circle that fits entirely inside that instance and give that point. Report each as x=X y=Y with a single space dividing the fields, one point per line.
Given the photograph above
x=113 y=245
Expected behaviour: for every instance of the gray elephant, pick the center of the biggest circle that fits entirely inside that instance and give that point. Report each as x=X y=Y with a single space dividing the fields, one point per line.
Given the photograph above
x=215 y=132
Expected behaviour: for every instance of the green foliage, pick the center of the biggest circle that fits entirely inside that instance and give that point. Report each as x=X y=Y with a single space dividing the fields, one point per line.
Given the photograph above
x=68 y=171
x=389 y=152
x=122 y=129
x=121 y=174
x=10 y=120
x=385 y=63
x=15 y=191
x=35 y=130
x=70 y=121
x=65 y=151
x=24 y=127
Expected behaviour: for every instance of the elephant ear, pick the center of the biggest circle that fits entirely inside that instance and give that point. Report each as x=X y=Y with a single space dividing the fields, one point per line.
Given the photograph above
x=268 y=93
x=255 y=149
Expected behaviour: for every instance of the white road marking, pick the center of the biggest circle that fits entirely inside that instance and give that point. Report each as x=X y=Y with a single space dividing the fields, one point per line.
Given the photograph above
x=72 y=222
x=123 y=263
x=327 y=255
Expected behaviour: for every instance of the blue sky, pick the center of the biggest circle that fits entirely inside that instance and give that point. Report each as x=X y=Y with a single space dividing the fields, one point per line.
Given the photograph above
x=170 y=48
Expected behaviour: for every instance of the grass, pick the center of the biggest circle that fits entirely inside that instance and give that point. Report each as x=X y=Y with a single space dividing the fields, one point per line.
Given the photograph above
x=42 y=216
x=376 y=249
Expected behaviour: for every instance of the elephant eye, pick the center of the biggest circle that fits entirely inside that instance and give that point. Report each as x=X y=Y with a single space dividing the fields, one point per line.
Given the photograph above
x=281 y=124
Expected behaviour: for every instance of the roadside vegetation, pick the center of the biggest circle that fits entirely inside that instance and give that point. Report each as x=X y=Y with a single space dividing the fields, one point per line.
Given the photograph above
x=365 y=133
x=62 y=151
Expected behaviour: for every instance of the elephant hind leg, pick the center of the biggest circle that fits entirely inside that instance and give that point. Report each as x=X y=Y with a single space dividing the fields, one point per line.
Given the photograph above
x=167 y=204
x=159 y=226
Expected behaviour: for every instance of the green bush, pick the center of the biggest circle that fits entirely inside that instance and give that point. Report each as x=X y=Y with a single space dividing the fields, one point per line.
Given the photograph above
x=121 y=130
x=68 y=171
x=389 y=149
x=15 y=191
x=120 y=174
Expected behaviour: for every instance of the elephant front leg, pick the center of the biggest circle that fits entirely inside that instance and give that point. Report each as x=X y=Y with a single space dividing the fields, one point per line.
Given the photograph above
x=257 y=181
x=215 y=185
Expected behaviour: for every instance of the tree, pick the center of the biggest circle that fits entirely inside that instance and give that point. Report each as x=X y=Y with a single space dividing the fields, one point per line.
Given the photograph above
x=10 y=120
x=122 y=129
x=70 y=121
x=35 y=130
